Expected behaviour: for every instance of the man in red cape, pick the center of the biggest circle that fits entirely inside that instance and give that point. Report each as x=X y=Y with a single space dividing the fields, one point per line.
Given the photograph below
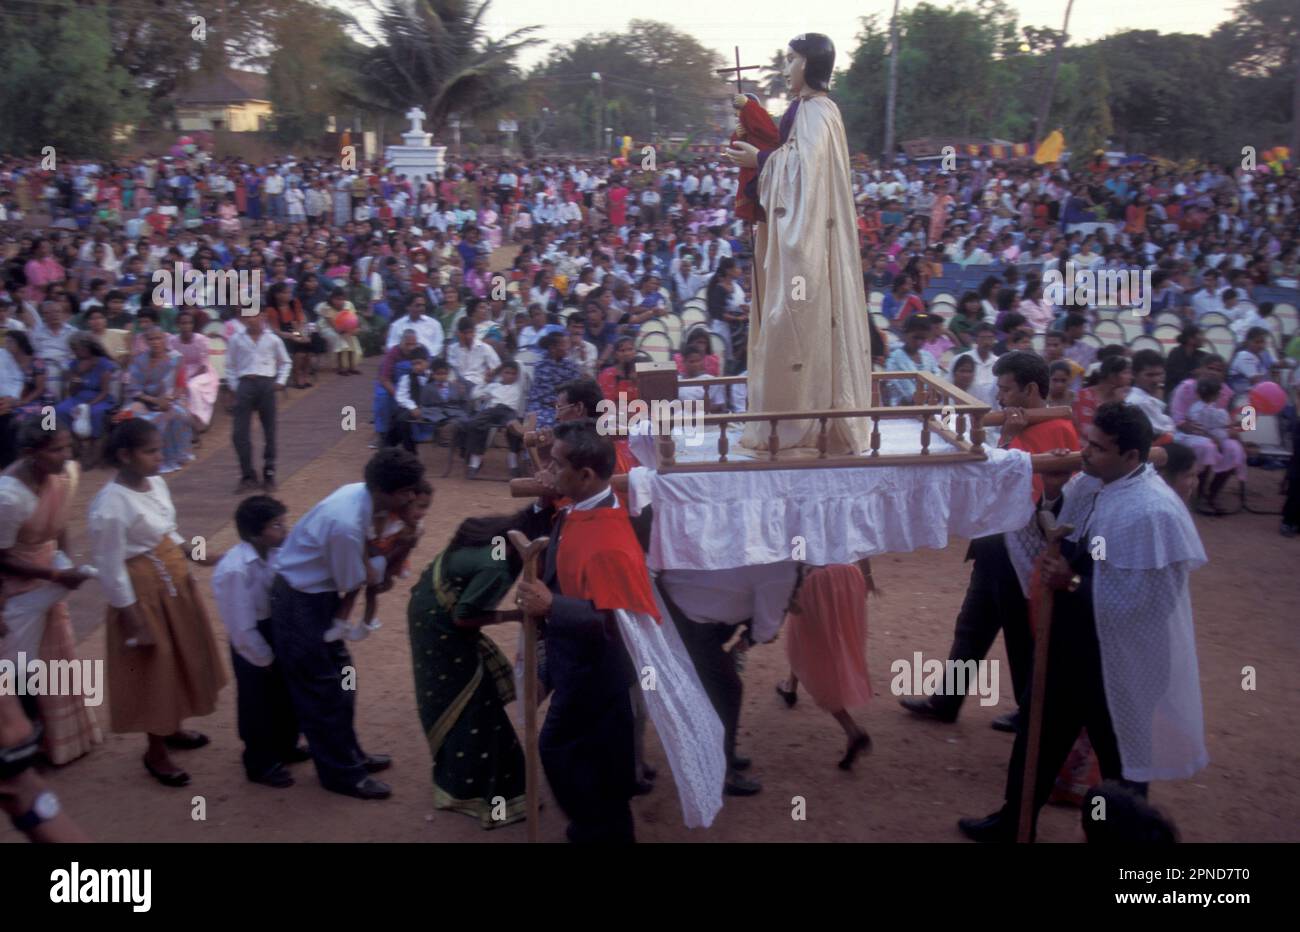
x=593 y=568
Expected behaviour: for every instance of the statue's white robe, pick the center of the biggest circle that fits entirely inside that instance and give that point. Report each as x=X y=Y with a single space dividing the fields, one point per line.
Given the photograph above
x=809 y=343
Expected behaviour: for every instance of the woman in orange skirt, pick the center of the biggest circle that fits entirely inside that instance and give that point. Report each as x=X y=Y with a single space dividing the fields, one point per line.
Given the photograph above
x=162 y=659
x=826 y=643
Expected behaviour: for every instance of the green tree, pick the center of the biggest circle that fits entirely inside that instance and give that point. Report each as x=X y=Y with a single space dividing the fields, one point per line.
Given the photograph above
x=60 y=85
x=436 y=54
x=308 y=79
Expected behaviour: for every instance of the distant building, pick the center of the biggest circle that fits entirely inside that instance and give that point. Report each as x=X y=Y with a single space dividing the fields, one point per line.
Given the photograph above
x=236 y=101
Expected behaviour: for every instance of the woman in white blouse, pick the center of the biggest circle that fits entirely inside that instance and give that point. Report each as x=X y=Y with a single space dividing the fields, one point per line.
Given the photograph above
x=162 y=660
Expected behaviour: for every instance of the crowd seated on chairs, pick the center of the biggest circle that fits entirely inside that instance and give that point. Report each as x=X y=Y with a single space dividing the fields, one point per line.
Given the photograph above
x=960 y=263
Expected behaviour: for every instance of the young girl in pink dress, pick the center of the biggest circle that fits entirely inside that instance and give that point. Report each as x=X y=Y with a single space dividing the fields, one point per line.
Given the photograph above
x=826 y=644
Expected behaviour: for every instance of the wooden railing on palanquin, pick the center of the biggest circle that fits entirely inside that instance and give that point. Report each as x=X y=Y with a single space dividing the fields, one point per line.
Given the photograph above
x=939 y=402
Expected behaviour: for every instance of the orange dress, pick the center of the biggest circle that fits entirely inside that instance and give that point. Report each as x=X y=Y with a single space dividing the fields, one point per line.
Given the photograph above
x=70 y=727
x=826 y=641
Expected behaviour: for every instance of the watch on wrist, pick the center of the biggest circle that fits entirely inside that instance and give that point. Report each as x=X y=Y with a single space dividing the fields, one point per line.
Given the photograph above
x=1075 y=582
x=44 y=808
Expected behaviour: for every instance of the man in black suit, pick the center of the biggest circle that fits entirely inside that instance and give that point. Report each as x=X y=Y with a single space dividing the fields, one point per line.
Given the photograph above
x=587 y=740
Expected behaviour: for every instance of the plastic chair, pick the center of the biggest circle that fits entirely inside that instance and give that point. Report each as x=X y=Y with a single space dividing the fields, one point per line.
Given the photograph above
x=1168 y=318
x=657 y=345
x=1132 y=326
x=654 y=325
x=1222 y=340
x=1167 y=336
x=673 y=323
x=1288 y=316
x=1142 y=341
x=1109 y=331
x=1213 y=319
x=694 y=317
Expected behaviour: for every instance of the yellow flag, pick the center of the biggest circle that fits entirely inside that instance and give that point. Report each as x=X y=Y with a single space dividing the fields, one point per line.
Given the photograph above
x=1050 y=149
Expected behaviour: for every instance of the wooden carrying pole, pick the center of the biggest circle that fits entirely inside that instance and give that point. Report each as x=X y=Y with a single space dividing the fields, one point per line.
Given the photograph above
x=530 y=550
x=1042 y=637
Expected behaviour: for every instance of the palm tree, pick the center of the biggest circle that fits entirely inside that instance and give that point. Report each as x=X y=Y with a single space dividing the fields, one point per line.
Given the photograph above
x=436 y=55
x=773 y=81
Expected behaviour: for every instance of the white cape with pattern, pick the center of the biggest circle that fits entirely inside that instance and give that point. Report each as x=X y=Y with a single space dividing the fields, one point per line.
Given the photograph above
x=1143 y=611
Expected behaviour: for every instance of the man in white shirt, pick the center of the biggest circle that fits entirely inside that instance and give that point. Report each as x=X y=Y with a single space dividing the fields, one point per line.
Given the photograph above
x=473 y=360
x=257 y=366
x=985 y=386
x=427 y=329
x=320 y=571
x=241 y=587
x=1207 y=298
x=273 y=188
x=11 y=390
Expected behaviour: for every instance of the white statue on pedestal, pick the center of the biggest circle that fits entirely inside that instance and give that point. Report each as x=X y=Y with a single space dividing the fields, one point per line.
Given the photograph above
x=809 y=339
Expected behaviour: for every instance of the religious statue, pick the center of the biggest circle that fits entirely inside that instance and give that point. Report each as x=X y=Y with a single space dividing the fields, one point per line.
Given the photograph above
x=809 y=342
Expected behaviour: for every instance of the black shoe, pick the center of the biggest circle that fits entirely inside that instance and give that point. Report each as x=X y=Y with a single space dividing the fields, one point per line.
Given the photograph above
x=247 y=484
x=369 y=788
x=374 y=763
x=268 y=484
x=187 y=741
x=861 y=744
x=740 y=763
x=175 y=778
x=990 y=829
x=789 y=695
x=737 y=785
x=471 y=472
x=1008 y=723
x=277 y=777
x=298 y=755
x=642 y=787
x=927 y=708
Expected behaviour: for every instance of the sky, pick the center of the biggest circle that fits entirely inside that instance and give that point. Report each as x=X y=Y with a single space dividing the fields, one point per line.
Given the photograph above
x=759 y=27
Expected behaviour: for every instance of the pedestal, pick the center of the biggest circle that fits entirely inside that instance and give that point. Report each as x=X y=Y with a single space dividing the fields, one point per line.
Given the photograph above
x=418 y=159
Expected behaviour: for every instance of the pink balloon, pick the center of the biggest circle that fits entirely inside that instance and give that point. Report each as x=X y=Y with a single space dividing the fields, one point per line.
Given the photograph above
x=1268 y=398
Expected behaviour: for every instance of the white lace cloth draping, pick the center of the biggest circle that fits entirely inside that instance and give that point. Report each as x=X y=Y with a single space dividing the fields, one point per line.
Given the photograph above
x=687 y=725
x=722 y=520
x=1143 y=611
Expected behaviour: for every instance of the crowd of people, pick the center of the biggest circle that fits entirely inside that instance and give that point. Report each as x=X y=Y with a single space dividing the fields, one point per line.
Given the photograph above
x=365 y=263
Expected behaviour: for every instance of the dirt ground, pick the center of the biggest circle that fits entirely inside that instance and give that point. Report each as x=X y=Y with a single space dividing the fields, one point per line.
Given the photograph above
x=919 y=779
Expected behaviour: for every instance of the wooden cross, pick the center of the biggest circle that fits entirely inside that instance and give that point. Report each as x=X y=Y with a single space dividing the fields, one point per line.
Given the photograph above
x=738 y=69
x=1054 y=533
x=530 y=550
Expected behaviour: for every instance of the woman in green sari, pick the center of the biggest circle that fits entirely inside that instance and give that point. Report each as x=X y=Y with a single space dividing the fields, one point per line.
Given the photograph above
x=462 y=679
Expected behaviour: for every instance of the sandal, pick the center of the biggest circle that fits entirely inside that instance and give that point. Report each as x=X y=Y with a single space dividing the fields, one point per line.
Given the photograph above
x=176 y=778
x=789 y=695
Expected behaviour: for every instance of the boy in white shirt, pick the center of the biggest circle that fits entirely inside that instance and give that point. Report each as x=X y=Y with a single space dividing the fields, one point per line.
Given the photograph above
x=241 y=584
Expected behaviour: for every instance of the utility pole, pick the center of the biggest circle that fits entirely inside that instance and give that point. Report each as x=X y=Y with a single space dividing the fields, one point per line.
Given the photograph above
x=1045 y=108
x=600 y=106
x=892 y=94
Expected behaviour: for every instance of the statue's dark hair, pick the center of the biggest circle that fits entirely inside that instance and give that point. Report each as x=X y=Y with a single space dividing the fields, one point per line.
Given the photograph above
x=819 y=51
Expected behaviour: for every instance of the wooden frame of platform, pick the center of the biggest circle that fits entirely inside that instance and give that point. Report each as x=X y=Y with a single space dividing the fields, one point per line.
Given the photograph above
x=964 y=414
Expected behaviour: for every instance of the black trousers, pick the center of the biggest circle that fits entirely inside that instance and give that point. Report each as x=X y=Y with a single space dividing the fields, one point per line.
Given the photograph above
x=476 y=431
x=994 y=602
x=1291 y=508
x=314 y=672
x=267 y=723
x=715 y=667
x=255 y=393
x=8 y=439
x=1074 y=699
x=586 y=745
